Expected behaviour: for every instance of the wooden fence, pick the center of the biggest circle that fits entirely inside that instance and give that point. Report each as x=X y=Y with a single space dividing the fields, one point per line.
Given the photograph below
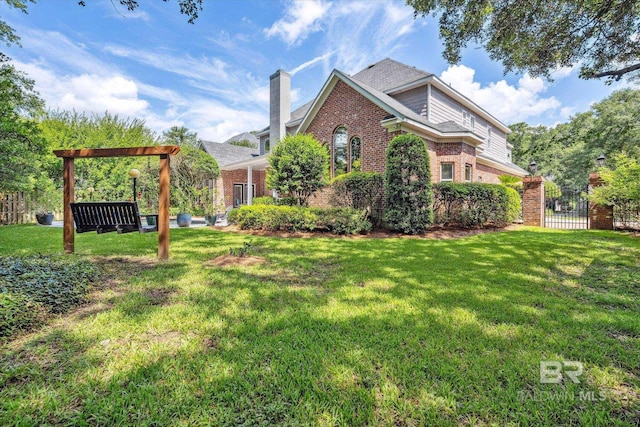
x=16 y=208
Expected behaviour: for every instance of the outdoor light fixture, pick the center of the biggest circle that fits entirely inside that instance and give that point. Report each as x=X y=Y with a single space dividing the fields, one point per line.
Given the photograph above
x=134 y=173
x=533 y=167
x=600 y=160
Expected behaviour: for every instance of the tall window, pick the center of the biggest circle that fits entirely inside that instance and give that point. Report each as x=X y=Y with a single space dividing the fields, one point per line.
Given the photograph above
x=267 y=145
x=340 y=151
x=468 y=172
x=355 y=154
x=489 y=135
x=446 y=172
x=468 y=120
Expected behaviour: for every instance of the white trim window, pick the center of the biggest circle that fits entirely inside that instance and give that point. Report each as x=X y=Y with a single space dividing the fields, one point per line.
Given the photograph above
x=489 y=135
x=468 y=120
x=446 y=172
x=340 y=144
x=468 y=172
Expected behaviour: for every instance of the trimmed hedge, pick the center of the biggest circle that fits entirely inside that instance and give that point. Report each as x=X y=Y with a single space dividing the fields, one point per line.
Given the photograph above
x=475 y=205
x=296 y=218
x=360 y=190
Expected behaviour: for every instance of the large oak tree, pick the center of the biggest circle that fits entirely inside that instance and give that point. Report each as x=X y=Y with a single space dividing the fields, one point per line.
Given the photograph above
x=538 y=36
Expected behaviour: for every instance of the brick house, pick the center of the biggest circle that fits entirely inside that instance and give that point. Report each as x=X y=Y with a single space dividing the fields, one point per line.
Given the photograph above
x=357 y=116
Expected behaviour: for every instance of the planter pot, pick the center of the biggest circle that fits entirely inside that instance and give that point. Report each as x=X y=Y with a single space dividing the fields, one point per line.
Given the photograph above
x=210 y=219
x=151 y=219
x=183 y=220
x=44 y=219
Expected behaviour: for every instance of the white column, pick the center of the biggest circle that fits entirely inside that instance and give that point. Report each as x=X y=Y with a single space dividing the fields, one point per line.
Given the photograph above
x=249 y=185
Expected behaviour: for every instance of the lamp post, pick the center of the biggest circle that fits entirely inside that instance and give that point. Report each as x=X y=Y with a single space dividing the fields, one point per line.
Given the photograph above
x=533 y=167
x=600 y=160
x=134 y=173
x=90 y=190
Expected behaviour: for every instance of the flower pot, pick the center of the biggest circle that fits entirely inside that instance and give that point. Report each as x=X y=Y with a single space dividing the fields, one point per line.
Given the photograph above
x=44 y=219
x=151 y=219
x=183 y=220
x=210 y=219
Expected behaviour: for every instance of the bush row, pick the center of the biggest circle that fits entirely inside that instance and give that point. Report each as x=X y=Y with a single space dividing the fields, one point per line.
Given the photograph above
x=32 y=286
x=294 y=218
x=475 y=205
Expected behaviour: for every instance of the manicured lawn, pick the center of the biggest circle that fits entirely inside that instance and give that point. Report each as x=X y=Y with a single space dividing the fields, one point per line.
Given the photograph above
x=335 y=331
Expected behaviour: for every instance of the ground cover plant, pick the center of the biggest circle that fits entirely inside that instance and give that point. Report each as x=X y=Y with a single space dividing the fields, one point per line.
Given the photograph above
x=334 y=331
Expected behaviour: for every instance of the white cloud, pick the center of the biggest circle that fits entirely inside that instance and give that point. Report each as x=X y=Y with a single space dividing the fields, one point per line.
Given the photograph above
x=312 y=62
x=509 y=103
x=301 y=19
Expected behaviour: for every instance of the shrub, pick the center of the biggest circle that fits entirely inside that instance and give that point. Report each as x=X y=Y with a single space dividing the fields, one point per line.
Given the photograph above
x=297 y=218
x=58 y=284
x=360 y=190
x=298 y=167
x=17 y=312
x=408 y=196
x=343 y=220
x=266 y=200
x=475 y=205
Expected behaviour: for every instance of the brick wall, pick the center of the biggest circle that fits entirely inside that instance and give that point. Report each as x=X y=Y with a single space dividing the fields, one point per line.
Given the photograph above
x=239 y=176
x=488 y=174
x=346 y=107
x=533 y=201
x=459 y=154
x=600 y=217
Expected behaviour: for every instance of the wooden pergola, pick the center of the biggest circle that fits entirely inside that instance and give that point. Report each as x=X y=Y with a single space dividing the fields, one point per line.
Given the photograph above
x=164 y=151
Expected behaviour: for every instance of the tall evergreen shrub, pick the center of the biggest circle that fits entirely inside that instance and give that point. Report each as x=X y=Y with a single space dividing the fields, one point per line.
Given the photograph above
x=408 y=194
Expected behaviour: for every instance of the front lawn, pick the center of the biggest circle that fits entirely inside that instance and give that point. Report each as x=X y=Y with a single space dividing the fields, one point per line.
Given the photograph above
x=335 y=331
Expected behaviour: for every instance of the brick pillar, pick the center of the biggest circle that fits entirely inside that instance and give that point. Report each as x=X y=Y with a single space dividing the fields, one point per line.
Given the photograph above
x=533 y=200
x=600 y=217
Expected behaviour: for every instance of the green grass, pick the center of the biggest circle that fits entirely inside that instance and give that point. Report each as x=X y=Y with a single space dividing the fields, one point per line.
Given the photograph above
x=334 y=331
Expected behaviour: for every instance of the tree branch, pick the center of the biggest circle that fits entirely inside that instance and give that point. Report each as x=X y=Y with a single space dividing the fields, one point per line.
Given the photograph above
x=616 y=74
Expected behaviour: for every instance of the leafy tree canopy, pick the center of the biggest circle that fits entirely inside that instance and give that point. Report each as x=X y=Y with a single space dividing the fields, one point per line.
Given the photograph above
x=244 y=143
x=566 y=153
x=298 y=167
x=538 y=36
x=21 y=142
x=180 y=135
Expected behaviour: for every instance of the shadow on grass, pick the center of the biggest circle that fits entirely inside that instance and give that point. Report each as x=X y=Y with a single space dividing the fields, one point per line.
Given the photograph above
x=351 y=332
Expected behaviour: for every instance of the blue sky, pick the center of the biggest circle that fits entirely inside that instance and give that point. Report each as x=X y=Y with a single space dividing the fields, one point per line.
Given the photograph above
x=213 y=76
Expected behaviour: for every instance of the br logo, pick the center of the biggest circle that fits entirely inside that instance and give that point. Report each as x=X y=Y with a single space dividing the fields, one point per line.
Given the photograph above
x=551 y=371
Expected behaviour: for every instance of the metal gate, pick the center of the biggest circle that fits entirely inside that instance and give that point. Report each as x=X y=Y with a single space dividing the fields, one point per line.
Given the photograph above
x=566 y=208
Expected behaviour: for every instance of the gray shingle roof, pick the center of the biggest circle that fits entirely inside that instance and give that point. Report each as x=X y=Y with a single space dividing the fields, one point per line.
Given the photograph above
x=300 y=112
x=389 y=74
x=243 y=136
x=226 y=153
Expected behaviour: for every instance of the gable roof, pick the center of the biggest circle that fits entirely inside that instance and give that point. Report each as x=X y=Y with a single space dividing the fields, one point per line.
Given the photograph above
x=388 y=74
x=226 y=153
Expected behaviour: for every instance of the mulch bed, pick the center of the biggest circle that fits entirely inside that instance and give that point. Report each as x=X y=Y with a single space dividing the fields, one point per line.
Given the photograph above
x=433 y=233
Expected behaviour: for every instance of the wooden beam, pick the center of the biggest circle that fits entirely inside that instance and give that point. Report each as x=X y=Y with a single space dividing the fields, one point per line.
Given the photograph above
x=163 y=208
x=156 y=150
x=67 y=234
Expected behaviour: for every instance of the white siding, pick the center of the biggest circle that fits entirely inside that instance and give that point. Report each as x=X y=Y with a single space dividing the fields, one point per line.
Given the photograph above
x=445 y=109
x=414 y=99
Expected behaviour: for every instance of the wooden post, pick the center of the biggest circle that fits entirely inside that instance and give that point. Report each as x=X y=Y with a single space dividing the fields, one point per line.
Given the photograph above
x=163 y=208
x=68 y=236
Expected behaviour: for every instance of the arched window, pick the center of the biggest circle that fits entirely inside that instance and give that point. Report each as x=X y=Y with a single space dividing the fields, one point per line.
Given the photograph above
x=340 y=151
x=267 y=145
x=355 y=154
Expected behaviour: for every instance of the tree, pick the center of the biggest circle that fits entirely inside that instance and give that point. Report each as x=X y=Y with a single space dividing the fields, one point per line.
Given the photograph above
x=21 y=142
x=180 y=135
x=7 y=33
x=244 y=143
x=408 y=193
x=538 y=36
x=192 y=168
x=298 y=166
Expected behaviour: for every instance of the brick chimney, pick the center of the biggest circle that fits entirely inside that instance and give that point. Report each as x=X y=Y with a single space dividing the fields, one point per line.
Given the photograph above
x=279 y=105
